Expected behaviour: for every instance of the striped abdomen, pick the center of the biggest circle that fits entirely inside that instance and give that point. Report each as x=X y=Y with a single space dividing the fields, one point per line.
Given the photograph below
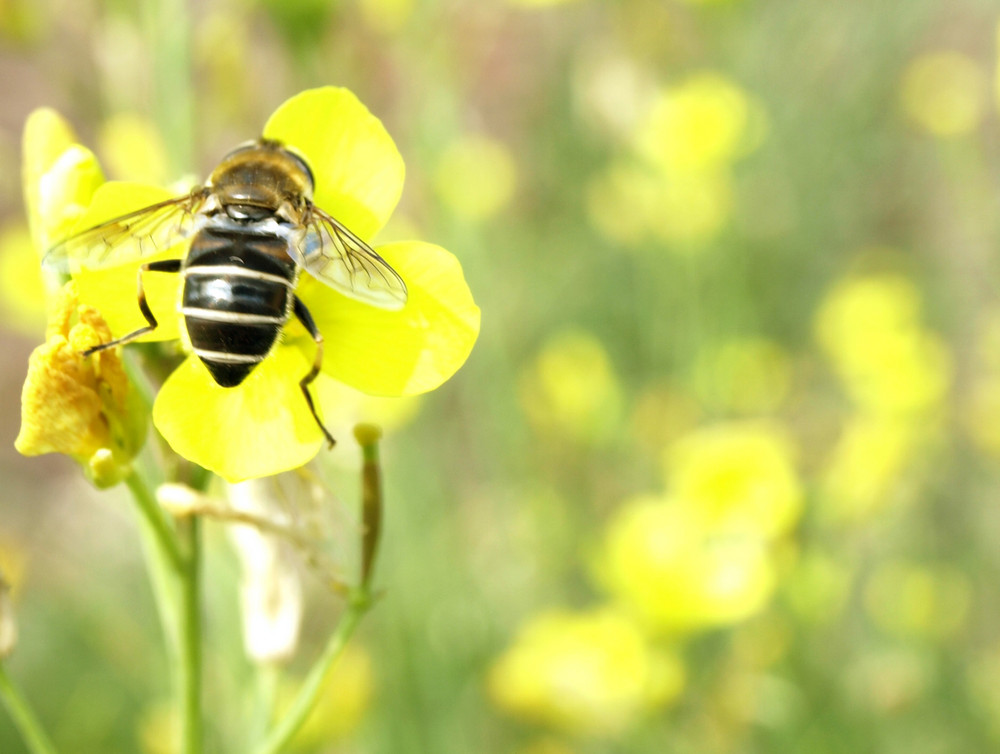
x=238 y=294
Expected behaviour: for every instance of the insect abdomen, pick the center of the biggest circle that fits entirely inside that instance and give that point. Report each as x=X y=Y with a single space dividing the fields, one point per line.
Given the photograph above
x=237 y=296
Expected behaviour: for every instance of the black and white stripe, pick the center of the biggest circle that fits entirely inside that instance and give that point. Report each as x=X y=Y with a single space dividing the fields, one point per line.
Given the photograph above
x=237 y=296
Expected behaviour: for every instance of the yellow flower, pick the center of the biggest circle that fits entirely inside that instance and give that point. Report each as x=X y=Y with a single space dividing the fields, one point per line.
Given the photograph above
x=59 y=176
x=572 y=390
x=867 y=467
x=745 y=375
x=263 y=426
x=22 y=294
x=590 y=673
x=678 y=574
x=475 y=177
x=704 y=123
x=945 y=93
x=81 y=406
x=870 y=326
x=739 y=477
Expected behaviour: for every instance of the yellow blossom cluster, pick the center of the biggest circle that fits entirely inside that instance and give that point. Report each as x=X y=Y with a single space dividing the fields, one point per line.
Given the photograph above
x=675 y=184
x=897 y=374
x=701 y=555
x=589 y=672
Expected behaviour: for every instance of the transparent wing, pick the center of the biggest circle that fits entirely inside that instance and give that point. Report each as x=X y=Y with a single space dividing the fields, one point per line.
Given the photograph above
x=132 y=236
x=335 y=256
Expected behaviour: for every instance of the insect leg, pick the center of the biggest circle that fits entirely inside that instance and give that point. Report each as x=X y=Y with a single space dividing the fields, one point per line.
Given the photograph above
x=306 y=319
x=165 y=265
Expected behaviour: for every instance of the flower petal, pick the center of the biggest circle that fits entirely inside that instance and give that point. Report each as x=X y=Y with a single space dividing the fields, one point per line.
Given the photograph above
x=113 y=290
x=357 y=168
x=403 y=352
x=259 y=428
x=59 y=176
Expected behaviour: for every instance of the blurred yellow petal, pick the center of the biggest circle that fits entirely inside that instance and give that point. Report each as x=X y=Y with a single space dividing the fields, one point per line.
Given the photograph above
x=404 y=352
x=571 y=390
x=258 y=428
x=475 y=177
x=945 y=93
x=702 y=123
x=59 y=177
x=22 y=294
x=678 y=574
x=740 y=477
x=588 y=673
x=133 y=149
x=358 y=170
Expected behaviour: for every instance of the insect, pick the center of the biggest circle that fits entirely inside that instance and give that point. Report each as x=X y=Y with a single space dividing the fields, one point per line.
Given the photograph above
x=253 y=228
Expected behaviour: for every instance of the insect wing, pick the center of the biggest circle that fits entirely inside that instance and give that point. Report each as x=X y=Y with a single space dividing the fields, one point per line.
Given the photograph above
x=130 y=237
x=335 y=256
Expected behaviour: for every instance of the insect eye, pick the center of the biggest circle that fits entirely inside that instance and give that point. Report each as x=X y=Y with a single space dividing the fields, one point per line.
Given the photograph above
x=302 y=164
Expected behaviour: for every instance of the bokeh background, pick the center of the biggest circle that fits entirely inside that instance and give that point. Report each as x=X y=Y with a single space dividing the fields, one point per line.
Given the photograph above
x=721 y=474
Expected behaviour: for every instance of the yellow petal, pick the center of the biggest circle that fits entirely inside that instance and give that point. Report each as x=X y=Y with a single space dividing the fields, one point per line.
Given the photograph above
x=404 y=352
x=259 y=428
x=358 y=170
x=114 y=290
x=59 y=176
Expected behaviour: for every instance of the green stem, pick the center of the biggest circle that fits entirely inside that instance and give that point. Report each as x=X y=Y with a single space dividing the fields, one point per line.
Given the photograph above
x=189 y=638
x=156 y=520
x=168 y=28
x=359 y=604
x=31 y=731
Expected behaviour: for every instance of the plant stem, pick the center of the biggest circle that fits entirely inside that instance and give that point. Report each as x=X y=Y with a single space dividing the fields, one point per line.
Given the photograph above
x=156 y=519
x=31 y=731
x=189 y=640
x=359 y=604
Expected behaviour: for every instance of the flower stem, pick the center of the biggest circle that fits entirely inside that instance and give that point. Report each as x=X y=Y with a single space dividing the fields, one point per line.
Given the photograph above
x=31 y=731
x=359 y=603
x=156 y=519
x=189 y=639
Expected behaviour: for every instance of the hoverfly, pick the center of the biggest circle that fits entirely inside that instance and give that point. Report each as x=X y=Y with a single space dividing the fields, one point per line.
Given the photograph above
x=253 y=228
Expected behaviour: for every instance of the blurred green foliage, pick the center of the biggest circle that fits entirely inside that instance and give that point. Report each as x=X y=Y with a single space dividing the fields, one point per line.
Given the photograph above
x=721 y=473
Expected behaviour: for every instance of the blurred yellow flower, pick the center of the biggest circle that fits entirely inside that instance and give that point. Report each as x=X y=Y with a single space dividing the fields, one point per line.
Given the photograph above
x=342 y=703
x=540 y=3
x=981 y=398
x=588 y=673
x=738 y=477
x=59 y=177
x=679 y=575
x=133 y=149
x=677 y=186
x=82 y=406
x=746 y=375
x=571 y=389
x=870 y=327
x=475 y=176
x=701 y=124
x=691 y=208
x=22 y=293
x=870 y=459
x=944 y=93
x=621 y=199
x=907 y=599
x=386 y=16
